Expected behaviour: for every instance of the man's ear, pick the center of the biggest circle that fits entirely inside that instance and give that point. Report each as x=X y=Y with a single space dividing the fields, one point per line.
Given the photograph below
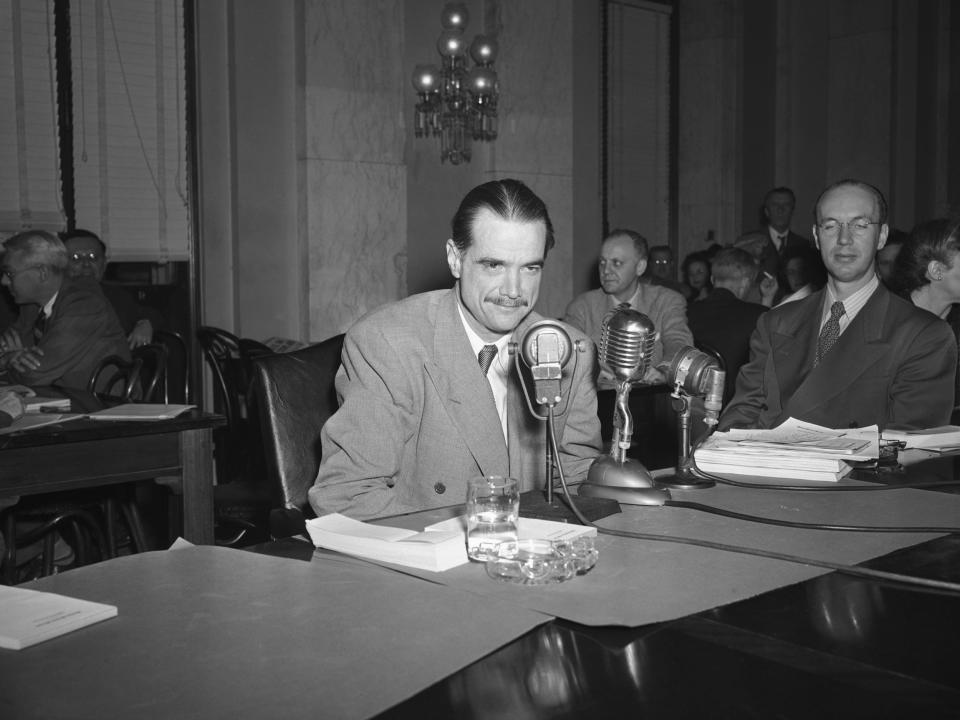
x=816 y=236
x=884 y=233
x=934 y=270
x=454 y=260
x=641 y=267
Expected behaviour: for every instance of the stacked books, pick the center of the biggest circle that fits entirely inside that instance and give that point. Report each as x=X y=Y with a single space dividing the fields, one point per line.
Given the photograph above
x=819 y=457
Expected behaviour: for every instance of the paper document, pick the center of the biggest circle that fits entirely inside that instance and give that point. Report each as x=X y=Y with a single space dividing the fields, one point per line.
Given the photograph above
x=141 y=411
x=945 y=437
x=28 y=617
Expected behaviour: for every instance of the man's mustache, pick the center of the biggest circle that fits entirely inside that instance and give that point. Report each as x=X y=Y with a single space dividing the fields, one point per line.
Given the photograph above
x=510 y=302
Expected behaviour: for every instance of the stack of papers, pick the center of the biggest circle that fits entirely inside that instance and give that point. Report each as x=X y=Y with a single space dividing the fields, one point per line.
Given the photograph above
x=439 y=547
x=795 y=450
x=28 y=617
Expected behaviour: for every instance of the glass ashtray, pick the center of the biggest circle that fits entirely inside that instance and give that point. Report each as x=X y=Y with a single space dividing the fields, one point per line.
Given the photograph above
x=542 y=562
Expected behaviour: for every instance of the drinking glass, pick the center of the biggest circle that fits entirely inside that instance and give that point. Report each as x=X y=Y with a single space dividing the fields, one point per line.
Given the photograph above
x=493 y=510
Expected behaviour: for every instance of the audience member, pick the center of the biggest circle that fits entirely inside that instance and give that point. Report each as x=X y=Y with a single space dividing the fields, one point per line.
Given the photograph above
x=724 y=321
x=852 y=354
x=88 y=258
x=927 y=272
x=696 y=275
x=887 y=256
x=662 y=270
x=418 y=417
x=66 y=326
x=804 y=272
x=623 y=259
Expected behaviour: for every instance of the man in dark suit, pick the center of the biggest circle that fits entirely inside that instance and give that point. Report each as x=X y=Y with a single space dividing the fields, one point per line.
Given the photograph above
x=723 y=321
x=852 y=354
x=429 y=393
x=88 y=258
x=66 y=326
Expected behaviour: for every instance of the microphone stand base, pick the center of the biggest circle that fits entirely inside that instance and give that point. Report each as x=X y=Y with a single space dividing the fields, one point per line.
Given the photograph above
x=533 y=504
x=683 y=481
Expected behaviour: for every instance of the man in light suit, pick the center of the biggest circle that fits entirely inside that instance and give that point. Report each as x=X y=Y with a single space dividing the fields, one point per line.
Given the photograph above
x=419 y=413
x=851 y=354
x=66 y=326
x=623 y=260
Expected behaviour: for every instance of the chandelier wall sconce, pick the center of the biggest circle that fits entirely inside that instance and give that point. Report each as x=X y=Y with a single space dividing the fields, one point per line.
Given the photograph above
x=456 y=104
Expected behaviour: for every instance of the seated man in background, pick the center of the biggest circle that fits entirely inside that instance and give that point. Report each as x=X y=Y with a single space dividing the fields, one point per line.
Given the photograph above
x=662 y=270
x=623 y=259
x=429 y=394
x=724 y=321
x=852 y=354
x=66 y=326
x=88 y=258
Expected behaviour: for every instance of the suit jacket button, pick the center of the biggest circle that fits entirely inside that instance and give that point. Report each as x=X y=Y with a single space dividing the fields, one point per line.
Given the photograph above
x=439 y=488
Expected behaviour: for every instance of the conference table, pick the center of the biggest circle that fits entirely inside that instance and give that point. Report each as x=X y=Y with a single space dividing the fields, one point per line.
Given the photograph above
x=80 y=453
x=284 y=629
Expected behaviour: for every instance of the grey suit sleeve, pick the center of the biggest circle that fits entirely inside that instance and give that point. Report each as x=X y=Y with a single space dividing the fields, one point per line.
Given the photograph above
x=750 y=396
x=674 y=332
x=580 y=443
x=577 y=315
x=363 y=442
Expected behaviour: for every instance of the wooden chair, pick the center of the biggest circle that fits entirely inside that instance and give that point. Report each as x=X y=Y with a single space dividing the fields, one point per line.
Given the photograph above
x=177 y=387
x=115 y=379
x=295 y=395
x=152 y=384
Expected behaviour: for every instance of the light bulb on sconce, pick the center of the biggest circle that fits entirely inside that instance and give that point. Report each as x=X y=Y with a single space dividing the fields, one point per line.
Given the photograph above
x=453 y=103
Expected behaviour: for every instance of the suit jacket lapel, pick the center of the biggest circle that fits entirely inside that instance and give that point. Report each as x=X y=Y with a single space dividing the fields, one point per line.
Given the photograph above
x=465 y=392
x=858 y=348
x=794 y=348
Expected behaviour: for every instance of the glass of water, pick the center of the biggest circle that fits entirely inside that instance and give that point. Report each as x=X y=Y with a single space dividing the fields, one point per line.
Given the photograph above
x=493 y=510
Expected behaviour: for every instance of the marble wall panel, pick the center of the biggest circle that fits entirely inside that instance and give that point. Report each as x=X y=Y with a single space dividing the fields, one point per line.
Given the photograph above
x=356 y=85
x=357 y=251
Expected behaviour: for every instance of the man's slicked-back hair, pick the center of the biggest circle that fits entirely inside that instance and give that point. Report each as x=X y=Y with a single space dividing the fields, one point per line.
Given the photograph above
x=40 y=248
x=851 y=182
x=509 y=199
x=639 y=241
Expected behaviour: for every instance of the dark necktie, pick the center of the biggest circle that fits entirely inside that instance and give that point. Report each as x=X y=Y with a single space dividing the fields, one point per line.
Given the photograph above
x=39 y=326
x=485 y=357
x=830 y=331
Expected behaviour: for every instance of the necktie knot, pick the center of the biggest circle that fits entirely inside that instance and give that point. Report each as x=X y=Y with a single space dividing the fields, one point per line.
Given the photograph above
x=485 y=357
x=830 y=331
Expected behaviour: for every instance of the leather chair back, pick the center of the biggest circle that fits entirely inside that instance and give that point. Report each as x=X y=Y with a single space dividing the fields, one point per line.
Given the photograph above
x=295 y=395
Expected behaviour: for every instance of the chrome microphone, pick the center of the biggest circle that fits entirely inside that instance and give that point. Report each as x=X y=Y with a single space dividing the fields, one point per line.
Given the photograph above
x=698 y=374
x=627 y=338
x=545 y=349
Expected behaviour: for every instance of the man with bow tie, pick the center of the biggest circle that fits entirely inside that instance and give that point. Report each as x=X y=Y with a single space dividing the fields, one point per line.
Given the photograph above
x=66 y=326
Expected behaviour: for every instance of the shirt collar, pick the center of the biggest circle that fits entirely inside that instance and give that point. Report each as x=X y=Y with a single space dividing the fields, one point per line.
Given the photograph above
x=476 y=342
x=47 y=309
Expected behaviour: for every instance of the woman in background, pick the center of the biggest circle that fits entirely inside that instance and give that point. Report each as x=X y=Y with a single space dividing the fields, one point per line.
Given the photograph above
x=696 y=274
x=927 y=272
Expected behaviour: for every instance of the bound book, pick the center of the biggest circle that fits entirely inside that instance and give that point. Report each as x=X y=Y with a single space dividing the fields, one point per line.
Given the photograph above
x=763 y=473
x=28 y=617
x=434 y=550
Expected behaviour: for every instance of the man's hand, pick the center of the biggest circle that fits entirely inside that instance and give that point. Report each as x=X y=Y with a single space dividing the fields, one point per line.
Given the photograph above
x=768 y=289
x=10 y=340
x=142 y=334
x=24 y=359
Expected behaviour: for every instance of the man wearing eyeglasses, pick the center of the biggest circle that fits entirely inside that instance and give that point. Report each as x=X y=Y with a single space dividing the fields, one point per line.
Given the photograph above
x=66 y=326
x=852 y=354
x=88 y=258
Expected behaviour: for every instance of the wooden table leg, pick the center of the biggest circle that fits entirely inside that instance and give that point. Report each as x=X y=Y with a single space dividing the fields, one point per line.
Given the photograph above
x=196 y=455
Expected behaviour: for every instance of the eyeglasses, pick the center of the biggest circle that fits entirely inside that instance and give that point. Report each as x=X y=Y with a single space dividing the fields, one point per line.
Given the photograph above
x=11 y=274
x=858 y=227
x=79 y=257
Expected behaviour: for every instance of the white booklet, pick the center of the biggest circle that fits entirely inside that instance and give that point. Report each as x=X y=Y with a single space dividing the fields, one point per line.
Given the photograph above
x=141 y=411
x=28 y=617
